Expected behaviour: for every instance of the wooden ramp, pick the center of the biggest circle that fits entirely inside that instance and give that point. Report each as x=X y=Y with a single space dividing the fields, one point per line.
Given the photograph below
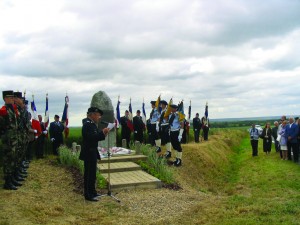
x=126 y=174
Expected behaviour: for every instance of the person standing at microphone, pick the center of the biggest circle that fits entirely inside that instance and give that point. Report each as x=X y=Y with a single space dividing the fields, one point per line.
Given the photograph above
x=89 y=152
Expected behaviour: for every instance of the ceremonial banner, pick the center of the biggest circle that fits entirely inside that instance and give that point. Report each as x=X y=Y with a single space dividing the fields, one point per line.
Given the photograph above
x=65 y=117
x=190 y=109
x=46 y=117
x=206 y=110
x=180 y=111
x=168 y=111
x=157 y=104
x=129 y=121
x=144 y=113
x=35 y=123
x=118 y=113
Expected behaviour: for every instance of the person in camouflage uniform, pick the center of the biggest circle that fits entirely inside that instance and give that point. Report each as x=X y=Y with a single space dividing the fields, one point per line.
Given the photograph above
x=20 y=169
x=8 y=129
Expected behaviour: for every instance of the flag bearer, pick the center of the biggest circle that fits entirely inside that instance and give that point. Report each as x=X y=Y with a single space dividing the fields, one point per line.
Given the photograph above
x=176 y=131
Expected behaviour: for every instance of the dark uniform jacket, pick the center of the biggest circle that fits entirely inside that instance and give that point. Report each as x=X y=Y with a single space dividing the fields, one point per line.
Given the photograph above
x=138 y=124
x=197 y=123
x=56 y=131
x=90 y=137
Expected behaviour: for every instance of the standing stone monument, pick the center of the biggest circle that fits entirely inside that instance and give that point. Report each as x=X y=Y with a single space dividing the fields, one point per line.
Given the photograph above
x=103 y=102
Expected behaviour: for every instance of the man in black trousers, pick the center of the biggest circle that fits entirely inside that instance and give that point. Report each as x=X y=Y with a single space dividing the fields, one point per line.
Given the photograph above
x=89 y=152
x=197 y=127
x=56 y=134
x=139 y=127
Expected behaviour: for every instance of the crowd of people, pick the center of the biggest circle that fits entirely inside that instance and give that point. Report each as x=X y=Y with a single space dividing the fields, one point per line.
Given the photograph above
x=21 y=140
x=164 y=128
x=285 y=135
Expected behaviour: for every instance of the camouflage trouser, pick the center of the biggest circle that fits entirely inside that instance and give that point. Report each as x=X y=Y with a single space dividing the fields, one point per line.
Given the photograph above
x=9 y=147
x=21 y=149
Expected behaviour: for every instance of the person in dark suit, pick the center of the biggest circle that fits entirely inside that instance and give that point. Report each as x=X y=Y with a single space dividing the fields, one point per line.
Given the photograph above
x=125 y=132
x=292 y=134
x=56 y=134
x=89 y=152
x=197 y=127
x=267 y=138
x=138 y=126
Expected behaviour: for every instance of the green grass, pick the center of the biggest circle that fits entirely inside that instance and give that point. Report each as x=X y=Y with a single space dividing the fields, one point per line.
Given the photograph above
x=266 y=190
x=234 y=188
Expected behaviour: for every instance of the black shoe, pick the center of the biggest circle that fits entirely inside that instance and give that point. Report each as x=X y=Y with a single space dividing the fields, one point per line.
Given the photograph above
x=178 y=163
x=94 y=199
x=168 y=155
x=96 y=195
x=158 y=150
x=8 y=185
x=23 y=175
x=18 y=178
x=174 y=162
x=15 y=183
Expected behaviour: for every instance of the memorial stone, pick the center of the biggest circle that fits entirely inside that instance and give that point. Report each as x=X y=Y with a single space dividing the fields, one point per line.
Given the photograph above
x=103 y=102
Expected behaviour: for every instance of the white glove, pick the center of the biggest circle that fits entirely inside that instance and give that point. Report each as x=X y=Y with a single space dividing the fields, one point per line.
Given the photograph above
x=157 y=127
x=52 y=139
x=179 y=138
x=36 y=137
x=135 y=132
x=45 y=132
x=35 y=131
x=180 y=135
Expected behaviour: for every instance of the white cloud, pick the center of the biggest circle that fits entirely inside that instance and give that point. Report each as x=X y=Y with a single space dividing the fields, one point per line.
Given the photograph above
x=242 y=57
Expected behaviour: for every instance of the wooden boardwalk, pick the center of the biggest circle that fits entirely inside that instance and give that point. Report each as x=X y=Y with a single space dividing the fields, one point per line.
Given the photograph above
x=126 y=174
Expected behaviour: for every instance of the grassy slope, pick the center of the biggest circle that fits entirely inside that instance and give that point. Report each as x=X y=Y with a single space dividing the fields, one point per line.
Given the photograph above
x=224 y=186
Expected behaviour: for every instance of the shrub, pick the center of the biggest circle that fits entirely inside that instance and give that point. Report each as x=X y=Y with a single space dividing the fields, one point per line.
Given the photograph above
x=71 y=159
x=156 y=166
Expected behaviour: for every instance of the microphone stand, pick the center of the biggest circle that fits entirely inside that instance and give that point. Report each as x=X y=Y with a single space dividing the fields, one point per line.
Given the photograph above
x=108 y=177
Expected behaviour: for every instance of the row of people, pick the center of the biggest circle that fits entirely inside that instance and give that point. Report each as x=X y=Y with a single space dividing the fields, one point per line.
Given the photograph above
x=162 y=129
x=18 y=138
x=14 y=127
x=286 y=136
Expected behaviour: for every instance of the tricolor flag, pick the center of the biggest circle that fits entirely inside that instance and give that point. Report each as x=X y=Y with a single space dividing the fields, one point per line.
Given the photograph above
x=35 y=123
x=46 y=117
x=65 y=117
x=180 y=111
x=118 y=119
x=129 y=121
x=206 y=110
x=144 y=113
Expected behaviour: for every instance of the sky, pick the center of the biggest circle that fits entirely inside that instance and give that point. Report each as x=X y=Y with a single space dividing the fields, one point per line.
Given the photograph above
x=240 y=56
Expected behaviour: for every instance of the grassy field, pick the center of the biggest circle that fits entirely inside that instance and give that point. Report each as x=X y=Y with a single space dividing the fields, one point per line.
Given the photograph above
x=221 y=182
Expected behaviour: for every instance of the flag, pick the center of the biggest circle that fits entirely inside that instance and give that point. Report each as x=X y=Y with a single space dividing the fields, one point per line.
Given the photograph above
x=190 y=109
x=35 y=123
x=130 y=111
x=157 y=104
x=118 y=119
x=65 y=117
x=168 y=111
x=180 y=111
x=206 y=110
x=129 y=121
x=144 y=113
x=46 y=117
